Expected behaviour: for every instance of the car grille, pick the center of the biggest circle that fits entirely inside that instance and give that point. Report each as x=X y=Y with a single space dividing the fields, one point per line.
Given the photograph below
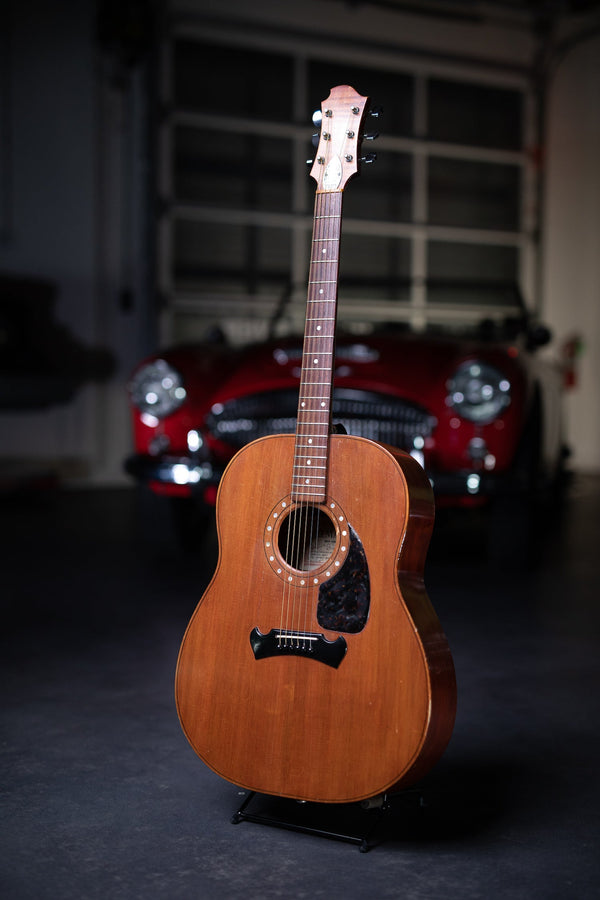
x=378 y=417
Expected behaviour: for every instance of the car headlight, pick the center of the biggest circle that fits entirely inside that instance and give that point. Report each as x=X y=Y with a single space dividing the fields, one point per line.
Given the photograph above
x=157 y=389
x=478 y=392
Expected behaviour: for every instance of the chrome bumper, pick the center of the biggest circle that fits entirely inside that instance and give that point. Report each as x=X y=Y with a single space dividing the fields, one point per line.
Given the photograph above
x=180 y=470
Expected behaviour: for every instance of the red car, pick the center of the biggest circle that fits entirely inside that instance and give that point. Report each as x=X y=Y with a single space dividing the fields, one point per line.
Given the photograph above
x=480 y=410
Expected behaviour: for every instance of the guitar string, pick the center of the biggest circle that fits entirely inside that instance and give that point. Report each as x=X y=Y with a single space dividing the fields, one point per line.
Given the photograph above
x=300 y=523
x=326 y=236
x=310 y=511
x=329 y=230
x=303 y=532
x=322 y=231
x=310 y=434
x=297 y=511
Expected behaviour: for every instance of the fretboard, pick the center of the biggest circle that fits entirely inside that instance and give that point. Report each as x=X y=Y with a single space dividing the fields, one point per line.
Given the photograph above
x=309 y=480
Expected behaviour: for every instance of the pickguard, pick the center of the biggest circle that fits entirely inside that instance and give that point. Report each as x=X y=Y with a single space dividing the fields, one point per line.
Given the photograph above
x=344 y=599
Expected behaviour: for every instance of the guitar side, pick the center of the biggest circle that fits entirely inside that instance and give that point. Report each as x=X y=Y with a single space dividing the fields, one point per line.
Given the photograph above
x=293 y=724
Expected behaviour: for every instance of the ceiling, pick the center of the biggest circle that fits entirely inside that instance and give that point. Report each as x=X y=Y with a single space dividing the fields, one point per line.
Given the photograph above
x=530 y=13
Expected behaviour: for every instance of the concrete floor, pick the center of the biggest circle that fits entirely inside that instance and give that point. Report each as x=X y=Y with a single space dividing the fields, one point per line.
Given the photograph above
x=103 y=798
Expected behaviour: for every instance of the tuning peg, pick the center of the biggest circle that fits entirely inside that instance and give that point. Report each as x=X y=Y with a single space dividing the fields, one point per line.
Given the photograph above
x=369 y=158
x=376 y=112
x=315 y=139
x=317 y=117
x=371 y=136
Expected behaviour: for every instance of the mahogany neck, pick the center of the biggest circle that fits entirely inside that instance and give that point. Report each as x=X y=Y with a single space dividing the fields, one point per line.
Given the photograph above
x=309 y=479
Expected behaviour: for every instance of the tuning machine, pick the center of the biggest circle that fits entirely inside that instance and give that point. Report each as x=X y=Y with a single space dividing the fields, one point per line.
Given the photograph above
x=369 y=158
x=375 y=112
x=317 y=119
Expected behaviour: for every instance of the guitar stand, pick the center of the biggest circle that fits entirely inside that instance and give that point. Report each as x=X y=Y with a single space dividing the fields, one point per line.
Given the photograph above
x=377 y=807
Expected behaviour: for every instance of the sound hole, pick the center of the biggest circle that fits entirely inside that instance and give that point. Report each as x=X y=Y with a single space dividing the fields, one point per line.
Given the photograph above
x=307 y=538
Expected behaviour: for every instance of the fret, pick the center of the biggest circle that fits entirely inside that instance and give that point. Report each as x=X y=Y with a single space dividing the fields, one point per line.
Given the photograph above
x=309 y=466
x=305 y=478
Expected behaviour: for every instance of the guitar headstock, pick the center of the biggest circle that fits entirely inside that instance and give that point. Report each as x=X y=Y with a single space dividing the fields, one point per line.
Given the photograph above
x=338 y=154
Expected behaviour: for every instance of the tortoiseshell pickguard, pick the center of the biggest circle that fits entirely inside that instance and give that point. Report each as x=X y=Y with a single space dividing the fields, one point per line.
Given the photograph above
x=344 y=600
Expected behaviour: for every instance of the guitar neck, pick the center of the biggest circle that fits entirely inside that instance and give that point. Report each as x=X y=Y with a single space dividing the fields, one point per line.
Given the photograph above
x=309 y=479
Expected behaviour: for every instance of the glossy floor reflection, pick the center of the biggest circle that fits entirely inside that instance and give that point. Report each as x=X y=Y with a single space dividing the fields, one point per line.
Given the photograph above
x=104 y=798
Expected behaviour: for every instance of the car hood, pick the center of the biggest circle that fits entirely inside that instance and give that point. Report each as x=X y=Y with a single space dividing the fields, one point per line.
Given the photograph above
x=415 y=367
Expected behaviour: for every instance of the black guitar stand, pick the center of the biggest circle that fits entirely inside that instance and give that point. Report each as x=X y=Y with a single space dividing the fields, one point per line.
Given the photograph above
x=374 y=810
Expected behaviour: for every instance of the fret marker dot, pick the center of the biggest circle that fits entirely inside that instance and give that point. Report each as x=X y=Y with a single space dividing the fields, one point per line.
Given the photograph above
x=318 y=327
x=315 y=361
x=320 y=290
x=322 y=404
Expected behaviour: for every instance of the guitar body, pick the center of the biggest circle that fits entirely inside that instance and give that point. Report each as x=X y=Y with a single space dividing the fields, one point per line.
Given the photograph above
x=324 y=678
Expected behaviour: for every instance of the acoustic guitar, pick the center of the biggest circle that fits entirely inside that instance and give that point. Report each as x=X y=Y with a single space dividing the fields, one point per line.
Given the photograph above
x=314 y=666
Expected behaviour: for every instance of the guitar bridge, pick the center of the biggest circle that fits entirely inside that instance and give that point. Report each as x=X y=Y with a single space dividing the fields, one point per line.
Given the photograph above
x=281 y=642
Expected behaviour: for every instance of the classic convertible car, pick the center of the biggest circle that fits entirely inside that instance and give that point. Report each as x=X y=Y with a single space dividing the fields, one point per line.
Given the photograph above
x=479 y=409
